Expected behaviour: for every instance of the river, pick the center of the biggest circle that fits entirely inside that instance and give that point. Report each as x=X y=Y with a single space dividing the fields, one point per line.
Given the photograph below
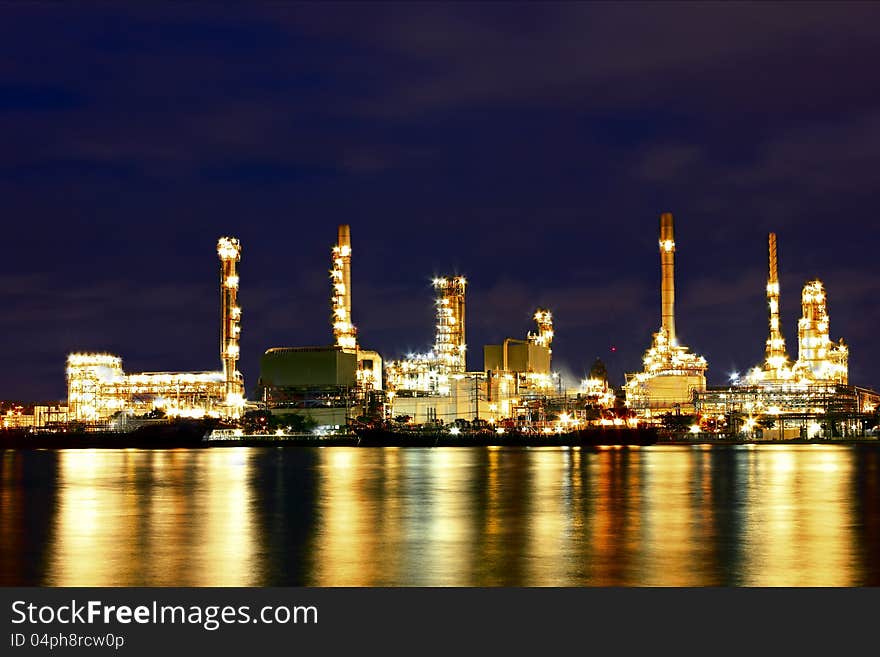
x=769 y=515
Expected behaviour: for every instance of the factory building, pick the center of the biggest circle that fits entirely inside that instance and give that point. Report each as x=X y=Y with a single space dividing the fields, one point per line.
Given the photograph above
x=671 y=374
x=520 y=368
x=435 y=386
x=432 y=372
x=315 y=382
x=328 y=384
x=808 y=398
x=98 y=388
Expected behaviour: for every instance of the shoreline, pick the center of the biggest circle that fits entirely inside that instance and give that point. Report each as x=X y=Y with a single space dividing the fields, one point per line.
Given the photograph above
x=196 y=439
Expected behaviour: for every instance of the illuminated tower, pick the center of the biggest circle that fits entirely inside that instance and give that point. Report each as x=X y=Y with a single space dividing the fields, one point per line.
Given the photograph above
x=229 y=250
x=343 y=329
x=671 y=372
x=777 y=358
x=449 y=345
x=544 y=336
x=818 y=357
x=667 y=270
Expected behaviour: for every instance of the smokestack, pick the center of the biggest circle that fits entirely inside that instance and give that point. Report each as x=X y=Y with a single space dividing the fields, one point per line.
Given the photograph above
x=229 y=250
x=667 y=270
x=343 y=329
x=776 y=356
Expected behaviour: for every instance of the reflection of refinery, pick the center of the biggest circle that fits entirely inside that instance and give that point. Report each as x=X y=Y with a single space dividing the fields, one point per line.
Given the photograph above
x=98 y=389
x=334 y=384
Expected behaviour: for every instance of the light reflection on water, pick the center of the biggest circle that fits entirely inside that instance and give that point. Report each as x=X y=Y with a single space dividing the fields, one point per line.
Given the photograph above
x=795 y=515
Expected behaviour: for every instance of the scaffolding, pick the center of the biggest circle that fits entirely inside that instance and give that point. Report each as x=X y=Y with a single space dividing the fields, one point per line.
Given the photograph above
x=790 y=410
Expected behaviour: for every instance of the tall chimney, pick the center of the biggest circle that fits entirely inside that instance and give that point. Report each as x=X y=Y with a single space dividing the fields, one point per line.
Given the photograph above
x=229 y=250
x=667 y=269
x=343 y=329
x=776 y=356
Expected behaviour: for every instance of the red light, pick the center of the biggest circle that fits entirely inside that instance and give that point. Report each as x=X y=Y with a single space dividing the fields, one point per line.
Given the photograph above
x=613 y=348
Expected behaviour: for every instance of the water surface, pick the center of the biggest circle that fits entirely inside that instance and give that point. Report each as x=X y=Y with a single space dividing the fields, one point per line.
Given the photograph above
x=798 y=515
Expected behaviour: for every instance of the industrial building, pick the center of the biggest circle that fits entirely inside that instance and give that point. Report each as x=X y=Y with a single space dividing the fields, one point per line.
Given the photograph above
x=808 y=398
x=435 y=386
x=328 y=384
x=522 y=368
x=98 y=389
x=431 y=372
x=671 y=374
x=316 y=382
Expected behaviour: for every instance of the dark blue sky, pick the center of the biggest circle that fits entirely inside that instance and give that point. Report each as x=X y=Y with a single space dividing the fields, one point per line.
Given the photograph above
x=530 y=147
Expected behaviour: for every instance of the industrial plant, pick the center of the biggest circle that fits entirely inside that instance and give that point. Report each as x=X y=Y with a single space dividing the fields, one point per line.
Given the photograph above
x=326 y=384
x=672 y=374
x=99 y=391
x=342 y=383
x=808 y=398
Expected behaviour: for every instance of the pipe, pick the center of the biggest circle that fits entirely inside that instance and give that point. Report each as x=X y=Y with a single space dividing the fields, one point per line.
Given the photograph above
x=667 y=270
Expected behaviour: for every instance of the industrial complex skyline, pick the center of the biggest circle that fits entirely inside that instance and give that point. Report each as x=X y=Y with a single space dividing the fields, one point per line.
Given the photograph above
x=538 y=179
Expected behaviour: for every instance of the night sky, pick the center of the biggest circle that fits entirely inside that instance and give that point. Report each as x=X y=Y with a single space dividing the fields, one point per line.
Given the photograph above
x=530 y=147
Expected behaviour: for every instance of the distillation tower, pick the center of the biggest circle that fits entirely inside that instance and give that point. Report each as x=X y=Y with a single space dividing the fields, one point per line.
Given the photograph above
x=449 y=344
x=671 y=374
x=819 y=358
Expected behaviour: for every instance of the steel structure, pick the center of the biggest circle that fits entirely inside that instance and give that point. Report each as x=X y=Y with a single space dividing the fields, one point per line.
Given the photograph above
x=449 y=344
x=793 y=409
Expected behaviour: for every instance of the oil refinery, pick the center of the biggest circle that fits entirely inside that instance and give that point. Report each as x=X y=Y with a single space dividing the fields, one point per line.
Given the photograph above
x=98 y=390
x=341 y=383
x=671 y=374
